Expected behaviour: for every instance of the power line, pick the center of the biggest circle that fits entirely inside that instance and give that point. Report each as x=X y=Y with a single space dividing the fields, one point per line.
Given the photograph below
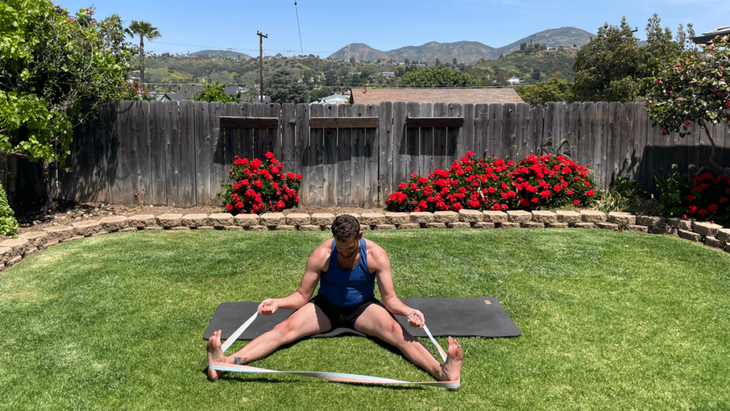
x=299 y=27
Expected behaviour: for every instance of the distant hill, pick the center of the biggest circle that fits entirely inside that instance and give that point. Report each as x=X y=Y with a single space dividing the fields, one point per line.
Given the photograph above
x=220 y=54
x=463 y=51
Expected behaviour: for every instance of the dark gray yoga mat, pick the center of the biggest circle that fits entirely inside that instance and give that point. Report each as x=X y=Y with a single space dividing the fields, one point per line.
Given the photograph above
x=449 y=316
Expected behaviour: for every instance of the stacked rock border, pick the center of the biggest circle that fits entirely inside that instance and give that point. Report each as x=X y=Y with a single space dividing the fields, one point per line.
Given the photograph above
x=713 y=235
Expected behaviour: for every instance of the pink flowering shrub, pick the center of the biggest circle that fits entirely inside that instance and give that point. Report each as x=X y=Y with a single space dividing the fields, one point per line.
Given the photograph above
x=493 y=184
x=257 y=187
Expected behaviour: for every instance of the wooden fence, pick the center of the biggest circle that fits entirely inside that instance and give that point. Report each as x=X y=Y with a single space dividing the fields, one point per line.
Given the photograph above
x=177 y=154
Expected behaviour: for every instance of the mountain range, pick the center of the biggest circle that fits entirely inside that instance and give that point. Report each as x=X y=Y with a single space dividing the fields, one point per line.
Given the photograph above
x=221 y=54
x=463 y=51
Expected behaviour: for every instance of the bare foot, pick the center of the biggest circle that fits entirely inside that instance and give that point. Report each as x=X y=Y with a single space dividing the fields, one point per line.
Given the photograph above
x=451 y=370
x=215 y=354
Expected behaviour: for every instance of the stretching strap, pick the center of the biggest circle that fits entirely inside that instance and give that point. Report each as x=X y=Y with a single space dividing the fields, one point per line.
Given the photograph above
x=331 y=376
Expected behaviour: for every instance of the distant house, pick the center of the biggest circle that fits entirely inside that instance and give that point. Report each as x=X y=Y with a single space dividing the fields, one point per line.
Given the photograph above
x=435 y=95
x=513 y=81
x=705 y=37
x=333 y=99
x=388 y=74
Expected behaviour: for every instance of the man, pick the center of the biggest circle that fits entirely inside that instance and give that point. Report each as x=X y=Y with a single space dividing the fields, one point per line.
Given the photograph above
x=346 y=267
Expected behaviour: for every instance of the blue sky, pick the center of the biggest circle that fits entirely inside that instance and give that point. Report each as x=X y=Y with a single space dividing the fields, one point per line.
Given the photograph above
x=327 y=26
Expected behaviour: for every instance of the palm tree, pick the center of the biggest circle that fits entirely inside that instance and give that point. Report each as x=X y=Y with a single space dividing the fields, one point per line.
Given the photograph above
x=143 y=29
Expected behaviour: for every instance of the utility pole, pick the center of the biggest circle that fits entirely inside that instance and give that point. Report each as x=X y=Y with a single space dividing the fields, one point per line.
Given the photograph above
x=261 y=62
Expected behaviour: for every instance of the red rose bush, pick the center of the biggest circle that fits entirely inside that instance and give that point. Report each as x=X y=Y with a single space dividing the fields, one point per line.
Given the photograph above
x=257 y=187
x=493 y=184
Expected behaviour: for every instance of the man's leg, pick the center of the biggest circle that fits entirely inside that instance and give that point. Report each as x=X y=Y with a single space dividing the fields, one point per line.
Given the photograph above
x=305 y=321
x=376 y=321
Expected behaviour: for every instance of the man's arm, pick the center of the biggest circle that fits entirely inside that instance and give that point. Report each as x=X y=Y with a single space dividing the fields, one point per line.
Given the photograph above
x=297 y=299
x=379 y=261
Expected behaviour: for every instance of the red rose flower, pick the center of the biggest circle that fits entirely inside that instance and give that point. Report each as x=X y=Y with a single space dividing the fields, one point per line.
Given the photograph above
x=269 y=155
x=712 y=207
x=589 y=193
x=576 y=202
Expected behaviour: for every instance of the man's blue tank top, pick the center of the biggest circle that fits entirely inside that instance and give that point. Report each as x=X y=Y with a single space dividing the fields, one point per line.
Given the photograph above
x=347 y=288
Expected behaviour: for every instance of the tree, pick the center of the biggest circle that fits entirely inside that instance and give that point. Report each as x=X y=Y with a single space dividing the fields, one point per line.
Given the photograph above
x=613 y=67
x=55 y=70
x=555 y=89
x=607 y=67
x=285 y=87
x=436 y=77
x=693 y=89
x=144 y=30
x=216 y=92
x=318 y=94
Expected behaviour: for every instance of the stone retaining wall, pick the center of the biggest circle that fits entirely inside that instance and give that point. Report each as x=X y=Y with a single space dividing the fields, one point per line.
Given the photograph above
x=713 y=235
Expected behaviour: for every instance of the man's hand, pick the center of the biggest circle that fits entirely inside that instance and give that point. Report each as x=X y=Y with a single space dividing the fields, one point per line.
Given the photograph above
x=268 y=306
x=416 y=319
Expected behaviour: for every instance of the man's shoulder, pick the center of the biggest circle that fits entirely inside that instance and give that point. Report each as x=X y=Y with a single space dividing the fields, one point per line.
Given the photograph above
x=321 y=254
x=375 y=252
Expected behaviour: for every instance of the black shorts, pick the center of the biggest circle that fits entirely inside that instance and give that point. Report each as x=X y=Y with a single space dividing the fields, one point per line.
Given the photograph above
x=342 y=316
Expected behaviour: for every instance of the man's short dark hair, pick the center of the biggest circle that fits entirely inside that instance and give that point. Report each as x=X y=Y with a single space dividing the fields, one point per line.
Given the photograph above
x=344 y=227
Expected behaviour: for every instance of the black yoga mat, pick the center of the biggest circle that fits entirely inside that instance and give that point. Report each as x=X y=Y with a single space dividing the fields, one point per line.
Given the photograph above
x=449 y=316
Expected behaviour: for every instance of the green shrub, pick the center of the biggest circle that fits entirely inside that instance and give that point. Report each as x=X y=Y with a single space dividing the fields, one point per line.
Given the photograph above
x=8 y=223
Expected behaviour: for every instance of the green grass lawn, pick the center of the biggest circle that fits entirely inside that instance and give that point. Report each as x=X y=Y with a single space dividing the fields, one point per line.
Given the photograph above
x=609 y=320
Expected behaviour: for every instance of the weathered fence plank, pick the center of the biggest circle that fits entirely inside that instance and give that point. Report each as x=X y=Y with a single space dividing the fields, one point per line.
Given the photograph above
x=452 y=133
x=302 y=151
x=385 y=149
x=412 y=141
x=426 y=163
x=399 y=144
x=187 y=154
x=344 y=159
x=465 y=140
x=371 y=161
x=316 y=158
x=481 y=122
x=288 y=136
x=440 y=155
x=203 y=153
x=329 y=164
x=172 y=152
x=217 y=166
x=357 y=156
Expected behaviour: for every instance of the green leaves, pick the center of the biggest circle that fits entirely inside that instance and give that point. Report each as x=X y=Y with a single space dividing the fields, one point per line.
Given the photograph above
x=57 y=69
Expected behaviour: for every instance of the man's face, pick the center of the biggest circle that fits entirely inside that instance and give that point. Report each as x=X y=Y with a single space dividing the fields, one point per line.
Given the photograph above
x=348 y=248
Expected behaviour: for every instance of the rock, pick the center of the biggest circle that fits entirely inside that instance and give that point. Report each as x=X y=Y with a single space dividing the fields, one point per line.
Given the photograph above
x=194 y=220
x=272 y=219
x=650 y=221
x=220 y=220
x=142 y=220
x=397 y=218
x=689 y=235
x=532 y=224
x=568 y=217
x=421 y=217
x=372 y=219
x=592 y=216
x=458 y=224
x=519 y=216
x=247 y=220
x=115 y=223
x=447 y=216
x=322 y=219
x=622 y=219
x=169 y=220
x=705 y=228
x=35 y=238
x=495 y=216
x=87 y=228
x=59 y=233
x=298 y=219
x=540 y=216
x=469 y=216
